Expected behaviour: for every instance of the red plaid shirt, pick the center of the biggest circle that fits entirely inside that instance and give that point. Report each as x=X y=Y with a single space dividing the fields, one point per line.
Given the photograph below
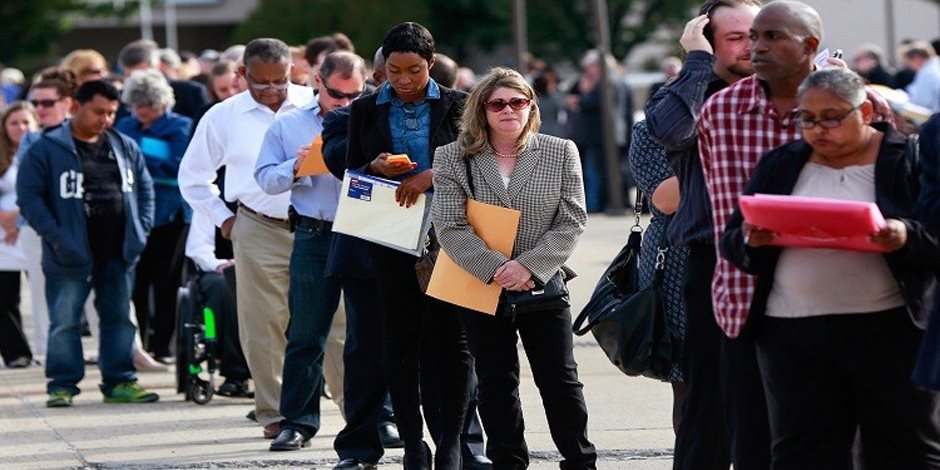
x=735 y=128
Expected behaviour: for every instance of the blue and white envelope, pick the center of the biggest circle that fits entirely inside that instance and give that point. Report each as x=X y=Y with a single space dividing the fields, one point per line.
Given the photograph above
x=368 y=210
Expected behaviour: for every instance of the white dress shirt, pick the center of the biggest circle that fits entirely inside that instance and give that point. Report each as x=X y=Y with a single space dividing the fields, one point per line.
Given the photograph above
x=200 y=243
x=231 y=134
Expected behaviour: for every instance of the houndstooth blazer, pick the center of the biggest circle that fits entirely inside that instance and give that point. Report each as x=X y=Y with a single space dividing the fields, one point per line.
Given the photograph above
x=546 y=186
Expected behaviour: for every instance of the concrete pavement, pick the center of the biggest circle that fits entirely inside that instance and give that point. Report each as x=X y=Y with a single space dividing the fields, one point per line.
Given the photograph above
x=630 y=418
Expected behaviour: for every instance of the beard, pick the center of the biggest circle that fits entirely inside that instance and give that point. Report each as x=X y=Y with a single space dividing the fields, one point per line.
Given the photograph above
x=741 y=69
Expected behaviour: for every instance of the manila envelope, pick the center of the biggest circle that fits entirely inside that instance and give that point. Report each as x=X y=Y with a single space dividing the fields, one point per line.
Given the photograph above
x=313 y=165
x=497 y=227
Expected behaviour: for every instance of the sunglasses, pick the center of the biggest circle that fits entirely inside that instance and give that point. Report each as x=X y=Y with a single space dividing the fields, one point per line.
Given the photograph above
x=499 y=104
x=338 y=95
x=43 y=103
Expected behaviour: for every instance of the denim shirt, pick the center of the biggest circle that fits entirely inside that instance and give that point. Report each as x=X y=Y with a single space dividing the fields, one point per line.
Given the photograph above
x=410 y=125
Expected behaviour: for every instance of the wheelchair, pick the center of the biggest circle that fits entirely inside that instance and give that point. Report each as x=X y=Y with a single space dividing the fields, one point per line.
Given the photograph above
x=197 y=347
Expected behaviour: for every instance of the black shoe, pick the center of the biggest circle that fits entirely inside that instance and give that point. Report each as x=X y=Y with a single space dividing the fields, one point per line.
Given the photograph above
x=288 y=439
x=388 y=433
x=476 y=462
x=417 y=457
x=235 y=389
x=251 y=416
x=26 y=361
x=353 y=464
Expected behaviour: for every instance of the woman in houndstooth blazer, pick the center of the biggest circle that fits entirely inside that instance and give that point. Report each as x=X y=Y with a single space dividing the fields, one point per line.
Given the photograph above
x=513 y=166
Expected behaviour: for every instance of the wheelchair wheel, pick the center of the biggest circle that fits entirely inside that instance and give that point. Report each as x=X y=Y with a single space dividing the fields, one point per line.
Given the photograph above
x=185 y=341
x=199 y=391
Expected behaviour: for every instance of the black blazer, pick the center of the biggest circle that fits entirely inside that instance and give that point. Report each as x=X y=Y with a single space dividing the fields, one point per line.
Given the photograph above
x=190 y=97
x=370 y=135
x=913 y=266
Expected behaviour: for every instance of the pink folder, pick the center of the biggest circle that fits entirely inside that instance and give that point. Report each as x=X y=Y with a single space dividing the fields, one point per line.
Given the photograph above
x=813 y=222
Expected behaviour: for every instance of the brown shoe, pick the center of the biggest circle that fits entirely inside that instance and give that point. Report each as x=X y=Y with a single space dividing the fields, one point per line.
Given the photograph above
x=272 y=430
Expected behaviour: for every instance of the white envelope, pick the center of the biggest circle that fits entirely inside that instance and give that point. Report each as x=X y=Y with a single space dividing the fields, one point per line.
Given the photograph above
x=368 y=210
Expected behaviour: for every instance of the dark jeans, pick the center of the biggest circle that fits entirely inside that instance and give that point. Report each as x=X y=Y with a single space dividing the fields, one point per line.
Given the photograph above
x=548 y=342
x=406 y=308
x=216 y=295
x=160 y=268
x=313 y=299
x=111 y=280
x=724 y=416
x=826 y=376
x=13 y=344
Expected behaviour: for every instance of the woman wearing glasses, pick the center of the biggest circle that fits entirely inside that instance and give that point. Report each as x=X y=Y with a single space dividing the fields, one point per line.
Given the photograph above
x=411 y=114
x=512 y=165
x=841 y=328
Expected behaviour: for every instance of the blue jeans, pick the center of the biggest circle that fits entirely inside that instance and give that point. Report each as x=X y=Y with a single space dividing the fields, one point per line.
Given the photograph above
x=112 y=280
x=313 y=299
x=595 y=179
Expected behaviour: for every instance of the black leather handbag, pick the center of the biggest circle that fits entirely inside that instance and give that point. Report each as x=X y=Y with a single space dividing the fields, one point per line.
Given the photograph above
x=629 y=322
x=553 y=295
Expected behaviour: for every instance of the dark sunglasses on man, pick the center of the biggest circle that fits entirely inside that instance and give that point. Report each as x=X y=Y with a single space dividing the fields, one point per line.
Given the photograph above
x=336 y=94
x=43 y=103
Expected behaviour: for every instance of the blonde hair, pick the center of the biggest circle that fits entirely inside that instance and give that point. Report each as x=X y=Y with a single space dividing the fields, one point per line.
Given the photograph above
x=474 y=130
x=80 y=60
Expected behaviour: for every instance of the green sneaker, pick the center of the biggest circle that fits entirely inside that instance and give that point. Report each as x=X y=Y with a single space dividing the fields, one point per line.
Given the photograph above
x=59 y=399
x=130 y=392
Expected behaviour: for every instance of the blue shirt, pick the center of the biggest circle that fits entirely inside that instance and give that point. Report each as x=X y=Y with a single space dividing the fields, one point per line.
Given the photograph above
x=410 y=125
x=311 y=196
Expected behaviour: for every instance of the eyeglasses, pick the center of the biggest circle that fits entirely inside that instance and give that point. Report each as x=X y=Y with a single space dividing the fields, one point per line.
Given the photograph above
x=279 y=86
x=44 y=103
x=826 y=123
x=497 y=105
x=336 y=94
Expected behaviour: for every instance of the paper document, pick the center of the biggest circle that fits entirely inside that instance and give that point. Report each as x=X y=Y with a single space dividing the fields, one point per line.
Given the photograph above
x=368 y=210
x=812 y=222
x=313 y=164
x=155 y=148
x=497 y=227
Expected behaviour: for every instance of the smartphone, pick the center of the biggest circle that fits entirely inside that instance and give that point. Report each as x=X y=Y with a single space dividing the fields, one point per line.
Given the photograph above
x=401 y=159
x=837 y=54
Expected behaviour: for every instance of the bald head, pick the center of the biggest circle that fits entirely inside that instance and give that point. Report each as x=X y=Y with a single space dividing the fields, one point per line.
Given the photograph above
x=378 y=67
x=802 y=18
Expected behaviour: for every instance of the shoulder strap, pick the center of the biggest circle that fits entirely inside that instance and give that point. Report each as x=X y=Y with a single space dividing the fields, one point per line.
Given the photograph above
x=466 y=164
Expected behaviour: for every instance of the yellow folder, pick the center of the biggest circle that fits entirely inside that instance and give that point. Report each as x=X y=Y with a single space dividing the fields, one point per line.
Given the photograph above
x=313 y=164
x=497 y=227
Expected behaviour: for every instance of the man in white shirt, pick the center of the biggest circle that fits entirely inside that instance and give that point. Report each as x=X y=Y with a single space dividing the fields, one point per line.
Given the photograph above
x=231 y=134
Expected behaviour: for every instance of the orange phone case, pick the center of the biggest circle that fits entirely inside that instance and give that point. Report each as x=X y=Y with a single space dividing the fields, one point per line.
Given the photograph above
x=401 y=159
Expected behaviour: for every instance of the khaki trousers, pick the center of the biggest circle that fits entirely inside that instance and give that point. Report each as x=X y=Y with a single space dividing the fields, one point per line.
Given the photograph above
x=333 y=356
x=262 y=266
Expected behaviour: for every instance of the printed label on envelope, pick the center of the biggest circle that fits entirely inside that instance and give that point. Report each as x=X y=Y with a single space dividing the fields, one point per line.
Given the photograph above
x=359 y=189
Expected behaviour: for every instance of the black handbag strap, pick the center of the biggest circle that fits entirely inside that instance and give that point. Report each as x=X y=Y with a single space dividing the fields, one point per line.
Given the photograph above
x=466 y=164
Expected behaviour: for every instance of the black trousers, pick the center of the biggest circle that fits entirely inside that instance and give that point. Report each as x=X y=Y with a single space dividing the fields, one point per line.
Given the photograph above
x=724 y=415
x=548 y=343
x=13 y=344
x=406 y=309
x=826 y=376
x=215 y=293
x=471 y=439
x=160 y=268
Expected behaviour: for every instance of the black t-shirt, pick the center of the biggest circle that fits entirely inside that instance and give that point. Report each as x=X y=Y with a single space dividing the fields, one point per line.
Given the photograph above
x=104 y=199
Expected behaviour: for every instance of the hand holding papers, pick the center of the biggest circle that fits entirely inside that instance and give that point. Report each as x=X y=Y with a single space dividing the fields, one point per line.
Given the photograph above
x=313 y=164
x=368 y=210
x=811 y=222
x=497 y=227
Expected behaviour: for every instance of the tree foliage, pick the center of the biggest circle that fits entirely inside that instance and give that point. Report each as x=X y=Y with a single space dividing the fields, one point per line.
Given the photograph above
x=557 y=29
x=32 y=27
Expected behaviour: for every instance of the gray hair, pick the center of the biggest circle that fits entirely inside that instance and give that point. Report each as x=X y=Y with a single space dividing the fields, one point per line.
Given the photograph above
x=170 y=58
x=148 y=88
x=845 y=84
x=233 y=54
x=136 y=52
x=343 y=63
x=267 y=50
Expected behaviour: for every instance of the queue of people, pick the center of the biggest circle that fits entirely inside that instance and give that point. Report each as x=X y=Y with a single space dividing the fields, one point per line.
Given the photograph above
x=775 y=366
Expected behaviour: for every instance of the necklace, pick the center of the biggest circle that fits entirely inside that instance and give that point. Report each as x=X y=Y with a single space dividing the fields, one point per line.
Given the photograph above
x=504 y=155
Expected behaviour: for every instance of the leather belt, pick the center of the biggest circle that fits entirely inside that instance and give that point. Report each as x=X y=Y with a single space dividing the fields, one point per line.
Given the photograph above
x=313 y=224
x=284 y=222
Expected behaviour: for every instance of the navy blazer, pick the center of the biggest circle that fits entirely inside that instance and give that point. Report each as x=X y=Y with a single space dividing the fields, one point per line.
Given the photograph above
x=913 y=266
x=370 y=134
x=349 y=256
